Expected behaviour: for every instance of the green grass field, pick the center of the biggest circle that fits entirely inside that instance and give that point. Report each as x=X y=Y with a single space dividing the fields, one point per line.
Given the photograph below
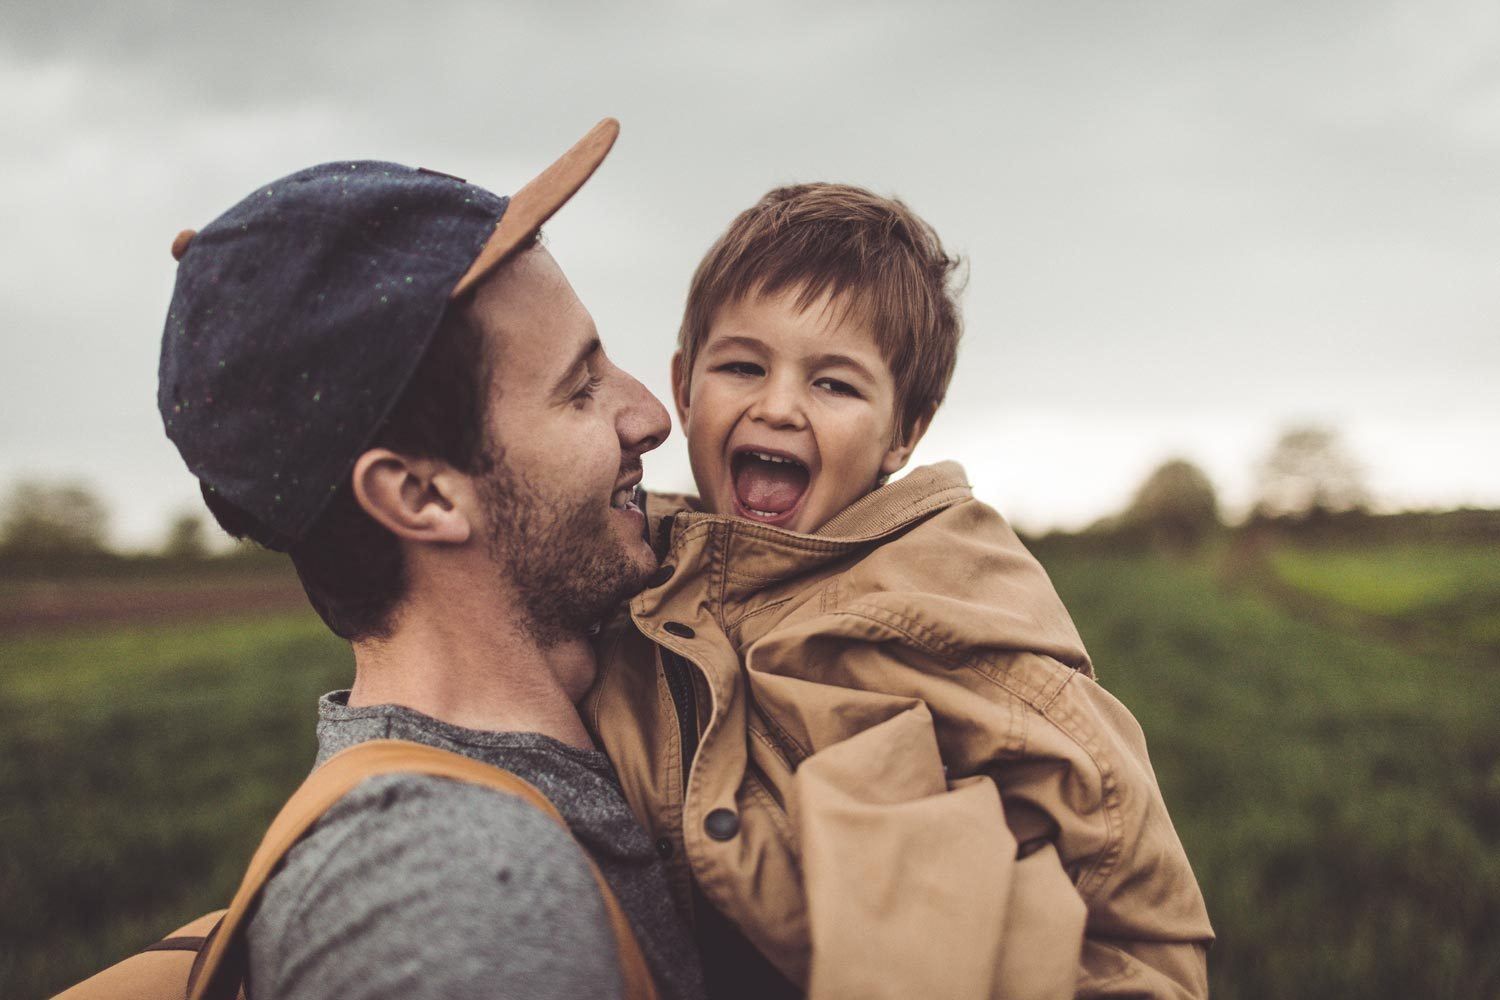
x=1338 y=790
x=1446 y=587
x=1339 y=797
x=138 y=769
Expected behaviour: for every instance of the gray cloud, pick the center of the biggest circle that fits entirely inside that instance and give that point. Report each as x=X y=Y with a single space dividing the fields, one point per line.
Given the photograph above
x=1224 y=212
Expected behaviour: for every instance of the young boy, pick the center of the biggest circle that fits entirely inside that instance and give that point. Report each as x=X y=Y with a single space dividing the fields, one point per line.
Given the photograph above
x=855 y=716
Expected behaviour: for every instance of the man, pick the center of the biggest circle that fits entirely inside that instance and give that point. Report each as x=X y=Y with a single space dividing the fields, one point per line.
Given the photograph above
x=381 y=372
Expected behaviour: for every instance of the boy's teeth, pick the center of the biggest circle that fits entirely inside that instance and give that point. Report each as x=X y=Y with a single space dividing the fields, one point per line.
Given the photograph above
x=770 y=458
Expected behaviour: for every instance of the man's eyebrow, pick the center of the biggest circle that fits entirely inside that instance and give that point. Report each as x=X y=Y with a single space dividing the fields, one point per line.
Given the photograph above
x=569 y=375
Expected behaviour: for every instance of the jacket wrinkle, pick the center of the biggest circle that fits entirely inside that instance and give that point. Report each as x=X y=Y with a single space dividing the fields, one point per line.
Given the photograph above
x=895 y=703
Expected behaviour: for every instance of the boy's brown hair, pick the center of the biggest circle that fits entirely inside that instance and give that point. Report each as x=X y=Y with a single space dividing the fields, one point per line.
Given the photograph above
x=873 y=256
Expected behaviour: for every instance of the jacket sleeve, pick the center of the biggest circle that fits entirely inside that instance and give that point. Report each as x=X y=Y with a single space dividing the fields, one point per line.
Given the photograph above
x=1083 y=779
x=914 y=888
x=1077 y=799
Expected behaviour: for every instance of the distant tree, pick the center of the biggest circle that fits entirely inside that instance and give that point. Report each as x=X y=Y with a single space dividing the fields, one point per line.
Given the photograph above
x=1309 y=472
x=44 y=519
x=185 y=538
x=1174 y=508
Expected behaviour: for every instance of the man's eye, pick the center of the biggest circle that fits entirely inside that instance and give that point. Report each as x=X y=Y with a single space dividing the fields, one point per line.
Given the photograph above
x=833 y=385
x=586 y=391
x=741 y=368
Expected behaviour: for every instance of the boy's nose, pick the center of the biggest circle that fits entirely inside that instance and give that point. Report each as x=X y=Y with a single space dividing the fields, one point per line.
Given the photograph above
x=780 y=406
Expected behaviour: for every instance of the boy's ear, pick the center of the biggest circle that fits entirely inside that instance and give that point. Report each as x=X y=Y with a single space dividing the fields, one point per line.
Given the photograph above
x=419 y=500
x=903 y=444
x=680 y=379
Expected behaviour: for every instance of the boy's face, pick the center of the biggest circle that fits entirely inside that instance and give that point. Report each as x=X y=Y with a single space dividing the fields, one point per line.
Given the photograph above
x=790 y=414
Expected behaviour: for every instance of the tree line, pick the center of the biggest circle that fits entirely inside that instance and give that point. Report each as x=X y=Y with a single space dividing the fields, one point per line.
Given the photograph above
x=1307 y=478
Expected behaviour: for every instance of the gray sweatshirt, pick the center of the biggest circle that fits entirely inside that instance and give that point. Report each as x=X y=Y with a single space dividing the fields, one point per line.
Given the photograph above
x=422 y=887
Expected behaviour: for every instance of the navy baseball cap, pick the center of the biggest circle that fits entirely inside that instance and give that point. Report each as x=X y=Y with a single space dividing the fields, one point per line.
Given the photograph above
x=300 y=314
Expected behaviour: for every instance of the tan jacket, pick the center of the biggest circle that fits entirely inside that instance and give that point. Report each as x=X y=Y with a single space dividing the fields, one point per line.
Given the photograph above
x=907 y=781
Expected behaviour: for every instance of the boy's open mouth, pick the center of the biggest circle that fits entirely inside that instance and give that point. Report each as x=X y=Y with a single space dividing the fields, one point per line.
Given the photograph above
x=768 y=486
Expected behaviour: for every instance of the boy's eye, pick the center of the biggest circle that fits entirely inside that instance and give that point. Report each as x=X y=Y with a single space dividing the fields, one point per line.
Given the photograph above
x=833 y=385
x=741 y=368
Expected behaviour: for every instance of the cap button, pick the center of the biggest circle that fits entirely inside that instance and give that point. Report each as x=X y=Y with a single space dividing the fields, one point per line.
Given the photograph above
x=721 y=824
x=680 y=630
x=663 y=848
x=181 y=241
x=662 y=575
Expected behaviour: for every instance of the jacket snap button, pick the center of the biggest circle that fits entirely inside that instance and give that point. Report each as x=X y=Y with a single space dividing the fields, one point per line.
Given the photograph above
x=721 y=824
x=661 y=576
x=663 y=848
x=680 y=630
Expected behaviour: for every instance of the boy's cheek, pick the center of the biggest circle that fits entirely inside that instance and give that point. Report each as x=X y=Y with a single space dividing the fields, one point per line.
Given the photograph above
x=707 y=406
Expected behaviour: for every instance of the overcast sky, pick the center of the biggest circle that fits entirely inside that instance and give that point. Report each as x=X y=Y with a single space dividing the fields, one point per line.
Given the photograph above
x=1188 y=224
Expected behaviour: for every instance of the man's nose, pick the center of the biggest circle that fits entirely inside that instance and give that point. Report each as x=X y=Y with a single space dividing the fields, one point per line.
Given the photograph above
x=643 y=423
x=778 y=404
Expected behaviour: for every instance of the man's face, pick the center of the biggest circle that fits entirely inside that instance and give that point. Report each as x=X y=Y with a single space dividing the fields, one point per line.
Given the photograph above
x=789 y=413
x=566 y=430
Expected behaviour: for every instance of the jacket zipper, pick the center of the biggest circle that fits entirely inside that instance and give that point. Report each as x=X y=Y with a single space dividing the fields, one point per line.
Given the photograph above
x=680 y=685
x=674 y=667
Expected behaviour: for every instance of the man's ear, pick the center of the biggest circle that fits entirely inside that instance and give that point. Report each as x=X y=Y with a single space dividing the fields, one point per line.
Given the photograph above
x=903 y=444
x=681 y=376
x=412 y=498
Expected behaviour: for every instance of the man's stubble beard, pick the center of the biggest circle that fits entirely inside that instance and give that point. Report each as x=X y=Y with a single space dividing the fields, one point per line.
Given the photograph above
x=560 y=554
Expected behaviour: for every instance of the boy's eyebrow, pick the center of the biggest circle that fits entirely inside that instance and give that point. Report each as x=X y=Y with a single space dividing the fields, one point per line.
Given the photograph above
x=817 y=361
x=564 y=382
x=735 y=341
x=845 y=361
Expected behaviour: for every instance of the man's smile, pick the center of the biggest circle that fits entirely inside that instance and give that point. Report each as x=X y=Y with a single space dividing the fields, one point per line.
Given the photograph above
x=627 y=498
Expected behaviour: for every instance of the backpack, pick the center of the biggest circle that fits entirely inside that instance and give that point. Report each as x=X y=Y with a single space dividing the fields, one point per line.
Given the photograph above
x=205 y=959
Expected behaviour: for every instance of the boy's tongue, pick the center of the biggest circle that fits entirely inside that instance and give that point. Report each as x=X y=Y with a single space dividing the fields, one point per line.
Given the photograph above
x=773 y=487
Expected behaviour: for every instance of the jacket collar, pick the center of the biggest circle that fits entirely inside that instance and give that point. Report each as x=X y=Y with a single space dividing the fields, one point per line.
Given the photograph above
x=896 y=505
x=873 y=516
x=760 y=554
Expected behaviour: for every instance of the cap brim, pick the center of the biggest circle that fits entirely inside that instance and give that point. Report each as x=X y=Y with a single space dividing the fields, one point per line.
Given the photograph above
x=535 y=203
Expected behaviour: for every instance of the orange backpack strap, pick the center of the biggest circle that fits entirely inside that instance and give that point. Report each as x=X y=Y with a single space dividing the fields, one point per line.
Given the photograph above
x=219 y=970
